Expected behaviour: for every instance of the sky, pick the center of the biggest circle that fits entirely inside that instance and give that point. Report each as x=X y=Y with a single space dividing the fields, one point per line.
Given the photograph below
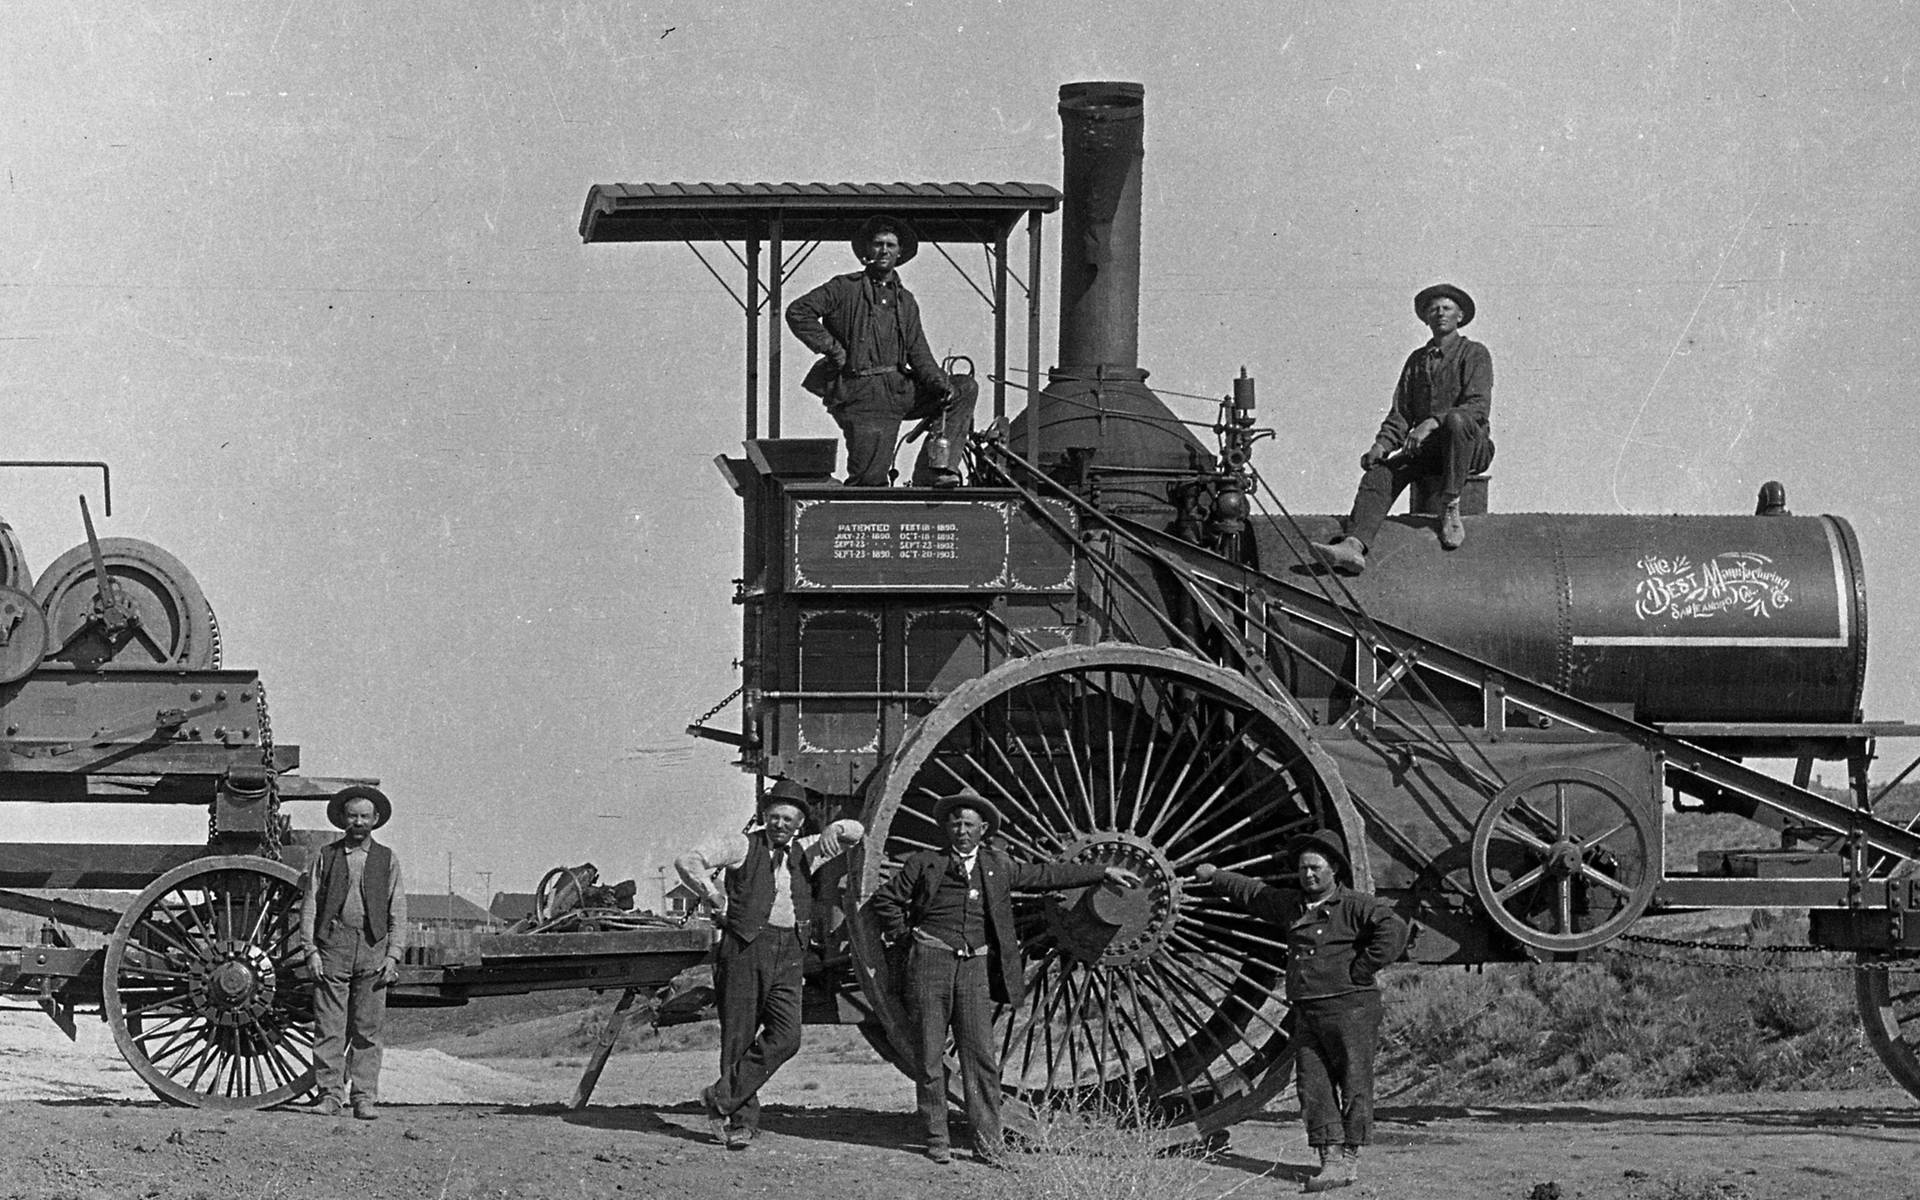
x=308 y=275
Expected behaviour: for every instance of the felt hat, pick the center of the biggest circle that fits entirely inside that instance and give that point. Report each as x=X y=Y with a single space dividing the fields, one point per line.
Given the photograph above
x=1321 y=841
x=1457 y=295
x=879 y=223
x=337 y=807
x=792 y=793
x=966 y=799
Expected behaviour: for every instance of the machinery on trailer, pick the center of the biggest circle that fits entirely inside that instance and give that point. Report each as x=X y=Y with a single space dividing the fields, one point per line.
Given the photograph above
x=112 y=690
x=1121 y=635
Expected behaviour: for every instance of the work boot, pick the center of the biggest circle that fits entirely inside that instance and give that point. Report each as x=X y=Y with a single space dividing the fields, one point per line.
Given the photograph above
x=716 y=1119
x=940 y=1153
x=1346 y=555
x=1350 y=1157
x=1336 y=1169
x=329 y=1105
x=1453 y=531
x=364 y=1109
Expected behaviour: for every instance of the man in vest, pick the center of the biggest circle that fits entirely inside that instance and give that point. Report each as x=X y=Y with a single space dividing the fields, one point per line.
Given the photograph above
x=353 y=923
x=954 y=909
x=762 y=903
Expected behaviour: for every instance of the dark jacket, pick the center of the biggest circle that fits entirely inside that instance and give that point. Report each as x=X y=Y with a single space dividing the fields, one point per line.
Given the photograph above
x=1460 y=378
x=901 y=903
x=1333 y=949
x=835 y=321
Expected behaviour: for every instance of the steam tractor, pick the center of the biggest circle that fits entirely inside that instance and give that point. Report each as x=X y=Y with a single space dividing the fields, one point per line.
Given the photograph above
x=1119 y=633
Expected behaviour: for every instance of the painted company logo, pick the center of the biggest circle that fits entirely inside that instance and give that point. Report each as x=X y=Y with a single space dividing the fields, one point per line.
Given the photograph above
x=1676 y=589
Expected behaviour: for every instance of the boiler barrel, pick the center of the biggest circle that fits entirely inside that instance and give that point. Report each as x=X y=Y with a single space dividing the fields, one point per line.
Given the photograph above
x=1685 y=618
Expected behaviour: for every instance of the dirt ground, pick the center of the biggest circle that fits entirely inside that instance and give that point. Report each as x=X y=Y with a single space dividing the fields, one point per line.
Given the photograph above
x=76 y=1124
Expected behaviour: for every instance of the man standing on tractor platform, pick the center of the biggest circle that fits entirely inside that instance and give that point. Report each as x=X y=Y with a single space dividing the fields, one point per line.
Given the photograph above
x=875 y=369
x=1338 y=939
x=763 y=908
x=1438 y=425
x=954 y=909
x=353 y=923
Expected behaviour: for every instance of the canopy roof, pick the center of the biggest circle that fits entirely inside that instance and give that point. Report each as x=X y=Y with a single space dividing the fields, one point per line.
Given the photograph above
x=824 y=212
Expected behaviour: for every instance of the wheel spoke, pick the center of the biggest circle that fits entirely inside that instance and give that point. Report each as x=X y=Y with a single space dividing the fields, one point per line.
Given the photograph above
x=1521 y=835
x=1521 y=884
x=1604 y=880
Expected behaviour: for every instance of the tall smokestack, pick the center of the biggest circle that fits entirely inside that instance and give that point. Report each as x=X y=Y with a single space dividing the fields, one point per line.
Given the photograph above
x=1101 y=140
x=1097 y=413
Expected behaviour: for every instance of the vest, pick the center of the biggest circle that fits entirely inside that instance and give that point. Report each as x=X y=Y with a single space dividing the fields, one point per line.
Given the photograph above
x=951 y=916
x=376 y=887
x=750 y=888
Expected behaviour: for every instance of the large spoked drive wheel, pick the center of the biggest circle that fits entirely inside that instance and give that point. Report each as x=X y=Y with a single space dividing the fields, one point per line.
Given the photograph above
x=199 y=986
x=1565 y=859
x=1889 y=997
x=1158 y=1003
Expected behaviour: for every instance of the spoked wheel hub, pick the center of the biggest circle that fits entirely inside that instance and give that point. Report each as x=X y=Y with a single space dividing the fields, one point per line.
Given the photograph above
x=232 y=983
x=1157 y=1003
x=1116 y=928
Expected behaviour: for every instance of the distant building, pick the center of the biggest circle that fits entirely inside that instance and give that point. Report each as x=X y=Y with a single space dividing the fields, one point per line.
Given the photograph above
x=508 y=907
x=681 y=900
x=437 y=910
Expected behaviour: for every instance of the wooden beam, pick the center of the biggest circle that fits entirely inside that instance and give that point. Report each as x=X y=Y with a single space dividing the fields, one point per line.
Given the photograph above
x=89 y=864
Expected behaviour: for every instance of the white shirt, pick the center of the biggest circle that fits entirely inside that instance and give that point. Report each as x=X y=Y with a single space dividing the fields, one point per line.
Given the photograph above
x=699 y=867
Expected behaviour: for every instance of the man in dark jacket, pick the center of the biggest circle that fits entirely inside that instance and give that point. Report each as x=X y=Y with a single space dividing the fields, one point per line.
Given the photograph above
x=1437 y=425
x=954 y=907
x=353 y=923
x=763 y=905
x=875 y=369
x=1337 y=942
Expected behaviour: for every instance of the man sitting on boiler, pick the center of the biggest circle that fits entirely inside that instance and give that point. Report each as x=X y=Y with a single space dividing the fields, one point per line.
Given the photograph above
x=1438 y=424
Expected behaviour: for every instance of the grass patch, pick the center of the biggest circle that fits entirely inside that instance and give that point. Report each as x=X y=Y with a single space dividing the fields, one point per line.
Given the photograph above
x=1628 y=1027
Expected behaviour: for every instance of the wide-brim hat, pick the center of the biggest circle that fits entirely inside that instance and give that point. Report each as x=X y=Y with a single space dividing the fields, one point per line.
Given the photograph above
x=974 y=800
x=792 y=793
x=337 y=807
x=1457 y=295
x=1321 y=841
x=909 y=240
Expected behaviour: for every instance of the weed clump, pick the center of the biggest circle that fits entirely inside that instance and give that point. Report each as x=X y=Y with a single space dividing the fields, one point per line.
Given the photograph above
x=1631 y=1025
x=1105 y=1150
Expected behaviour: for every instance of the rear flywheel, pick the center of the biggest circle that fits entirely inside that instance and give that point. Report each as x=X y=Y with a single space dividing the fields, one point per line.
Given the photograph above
x=1160 y=1003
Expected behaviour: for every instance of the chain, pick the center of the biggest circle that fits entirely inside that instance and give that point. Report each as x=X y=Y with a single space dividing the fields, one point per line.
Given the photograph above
x=1684 y=944
x=708 y=715
x=1902 y=965
x=277 y=825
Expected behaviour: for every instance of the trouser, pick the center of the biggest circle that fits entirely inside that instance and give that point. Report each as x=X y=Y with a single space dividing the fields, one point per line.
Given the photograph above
x=870 y=413
x=1334 y=1041
x=1459 y=448
x=349 y=1007
x=945 y=991
x=758 y=987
